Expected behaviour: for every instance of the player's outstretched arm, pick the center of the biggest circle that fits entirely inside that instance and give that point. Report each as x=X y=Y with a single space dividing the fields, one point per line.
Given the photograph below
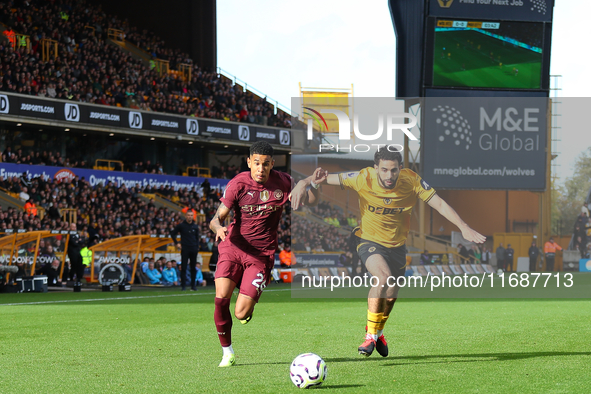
x=216 y=223
x=450 y=214
x=306 y=190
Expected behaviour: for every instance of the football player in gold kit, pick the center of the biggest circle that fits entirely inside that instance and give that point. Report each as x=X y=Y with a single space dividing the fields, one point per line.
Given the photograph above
x=387 y=194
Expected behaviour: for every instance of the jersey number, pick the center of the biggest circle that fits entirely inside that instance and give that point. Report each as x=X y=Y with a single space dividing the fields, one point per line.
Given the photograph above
x=259 y=282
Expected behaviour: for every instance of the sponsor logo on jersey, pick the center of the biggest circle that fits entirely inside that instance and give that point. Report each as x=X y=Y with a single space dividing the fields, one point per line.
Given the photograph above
x=372 y=249
x=264 y=195
x=384 y=211
x=251 y=194
x=349 y=175
x=387 y=201
x=425 y=185
x=278 y=194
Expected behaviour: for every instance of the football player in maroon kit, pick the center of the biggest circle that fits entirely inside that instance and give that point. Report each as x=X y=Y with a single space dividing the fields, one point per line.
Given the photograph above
x=247 y=247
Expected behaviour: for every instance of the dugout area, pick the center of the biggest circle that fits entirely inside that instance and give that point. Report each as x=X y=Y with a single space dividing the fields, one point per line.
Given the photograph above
x=11 y=244
x=133 y=246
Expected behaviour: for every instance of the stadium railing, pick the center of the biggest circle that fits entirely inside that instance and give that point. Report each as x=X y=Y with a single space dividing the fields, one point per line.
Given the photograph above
x=47 y=45
x=116 y=35
x=109 y=165
x=197 y=171
x=186 y=71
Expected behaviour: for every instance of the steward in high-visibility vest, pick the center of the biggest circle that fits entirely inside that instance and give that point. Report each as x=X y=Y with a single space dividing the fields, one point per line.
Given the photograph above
x=30 y=208
x=23 y=41
x=185 y=209
x=86 y=256
x=10 y=35
x=287 y=257
x=550 y=249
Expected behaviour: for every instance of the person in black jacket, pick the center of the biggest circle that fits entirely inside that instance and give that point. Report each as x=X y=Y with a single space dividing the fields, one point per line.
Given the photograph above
x=534 y=252
x=74 y=248
x=52 y=270
x=189 y=246
x=509 y=252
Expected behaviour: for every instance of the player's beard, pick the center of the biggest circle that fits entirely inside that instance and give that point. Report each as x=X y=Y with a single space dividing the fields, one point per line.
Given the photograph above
x=383 y=184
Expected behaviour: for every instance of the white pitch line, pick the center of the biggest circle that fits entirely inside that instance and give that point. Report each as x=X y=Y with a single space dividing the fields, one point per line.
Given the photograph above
x=120 y=298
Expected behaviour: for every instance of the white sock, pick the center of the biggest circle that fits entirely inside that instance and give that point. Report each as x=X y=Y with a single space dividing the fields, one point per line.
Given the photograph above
x=227 y=350
x=380 y=333
x=375 y=337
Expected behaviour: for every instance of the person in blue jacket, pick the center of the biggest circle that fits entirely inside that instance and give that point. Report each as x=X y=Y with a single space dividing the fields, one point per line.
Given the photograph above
x=153 y=274
x=199 y=281
x=169 y=276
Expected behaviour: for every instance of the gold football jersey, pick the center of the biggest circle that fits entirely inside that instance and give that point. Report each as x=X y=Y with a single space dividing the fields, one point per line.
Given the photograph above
x=385 y=213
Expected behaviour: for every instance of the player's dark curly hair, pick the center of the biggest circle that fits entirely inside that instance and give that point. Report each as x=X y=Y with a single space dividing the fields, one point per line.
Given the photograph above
x=385 y=154
x=261 y=148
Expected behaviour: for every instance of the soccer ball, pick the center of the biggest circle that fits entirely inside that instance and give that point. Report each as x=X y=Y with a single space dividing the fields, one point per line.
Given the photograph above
x=307 y=370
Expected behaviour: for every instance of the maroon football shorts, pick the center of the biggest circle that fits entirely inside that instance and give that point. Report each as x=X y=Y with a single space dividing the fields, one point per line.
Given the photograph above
x=251 y=273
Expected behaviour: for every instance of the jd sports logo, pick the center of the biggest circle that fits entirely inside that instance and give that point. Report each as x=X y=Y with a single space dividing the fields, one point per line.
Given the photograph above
x=135 y=120
x=243 y=133
x=284 y=138
x=445 y=3
x=4 y=104
x=72 y=112
x=192 y=127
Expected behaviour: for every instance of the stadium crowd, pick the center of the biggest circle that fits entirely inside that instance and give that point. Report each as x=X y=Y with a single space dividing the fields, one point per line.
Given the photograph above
x=44 y=158
x=88 y=68
x=108 y=211
x=49 y=158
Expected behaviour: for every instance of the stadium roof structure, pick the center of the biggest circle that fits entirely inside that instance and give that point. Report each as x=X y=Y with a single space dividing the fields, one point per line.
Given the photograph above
x=131 y=244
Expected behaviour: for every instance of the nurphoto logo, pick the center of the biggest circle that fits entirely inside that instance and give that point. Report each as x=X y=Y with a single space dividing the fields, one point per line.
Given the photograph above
x=387 y=123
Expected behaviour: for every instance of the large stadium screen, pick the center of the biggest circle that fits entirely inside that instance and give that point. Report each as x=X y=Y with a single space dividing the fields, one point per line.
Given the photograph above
x=482 y=54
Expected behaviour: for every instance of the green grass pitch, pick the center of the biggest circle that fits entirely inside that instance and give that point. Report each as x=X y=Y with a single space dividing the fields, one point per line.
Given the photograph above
x=466 y=61
x=165 y=342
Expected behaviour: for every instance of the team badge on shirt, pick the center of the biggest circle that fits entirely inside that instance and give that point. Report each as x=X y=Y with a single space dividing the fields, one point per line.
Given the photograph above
x=387 y=201
x=264 y=195
x=278 y=194
x=425 y=185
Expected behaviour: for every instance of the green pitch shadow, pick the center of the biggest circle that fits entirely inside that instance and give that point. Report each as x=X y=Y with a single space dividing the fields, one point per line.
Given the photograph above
x=457 y=358
x=338 y=386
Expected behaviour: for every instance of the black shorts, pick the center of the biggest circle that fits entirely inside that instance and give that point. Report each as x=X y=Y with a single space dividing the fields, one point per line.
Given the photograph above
x=395 y=257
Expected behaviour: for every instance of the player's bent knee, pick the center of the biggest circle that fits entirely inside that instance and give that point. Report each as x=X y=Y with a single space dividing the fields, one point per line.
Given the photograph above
x=242 y=313
x=244 y=306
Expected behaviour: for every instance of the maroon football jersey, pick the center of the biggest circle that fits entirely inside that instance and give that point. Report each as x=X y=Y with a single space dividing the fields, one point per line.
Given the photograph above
x=257 y=212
